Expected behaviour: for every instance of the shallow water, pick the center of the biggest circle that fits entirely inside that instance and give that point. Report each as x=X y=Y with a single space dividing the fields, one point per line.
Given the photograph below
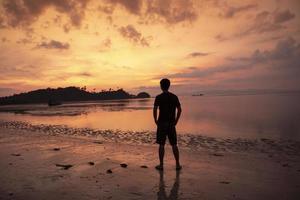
x=239 y=116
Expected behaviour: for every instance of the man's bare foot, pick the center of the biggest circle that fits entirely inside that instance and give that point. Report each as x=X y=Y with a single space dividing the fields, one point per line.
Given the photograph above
x=159 y=167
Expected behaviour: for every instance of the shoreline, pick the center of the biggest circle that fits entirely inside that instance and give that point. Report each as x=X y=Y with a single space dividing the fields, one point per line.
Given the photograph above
x=33 y=162
x=190 y=141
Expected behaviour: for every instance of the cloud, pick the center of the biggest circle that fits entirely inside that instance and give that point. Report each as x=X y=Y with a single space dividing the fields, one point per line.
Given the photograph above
x=25 y=12
x=130 y=33
x=230 y=12
x=15 y=71
x=24 y=41
x=2 y=25
x=264 y=22
x=84 y=74
x=66 y=28
x=22 y=13
x=167 y=11
x=7 y=91
x=172 y=11
x=283 y=16
x=220 y=37
x=107 y=43
x=53 y=44
x=208 y=72
x=132 y=6
x=284 y=56
x=63 y=76
x=197 y=54
x=106 y=9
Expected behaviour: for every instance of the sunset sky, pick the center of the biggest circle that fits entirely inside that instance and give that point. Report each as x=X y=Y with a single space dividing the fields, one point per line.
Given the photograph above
x=199 y=44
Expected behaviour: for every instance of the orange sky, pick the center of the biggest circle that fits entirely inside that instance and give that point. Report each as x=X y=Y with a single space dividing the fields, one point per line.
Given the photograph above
x=198 y=44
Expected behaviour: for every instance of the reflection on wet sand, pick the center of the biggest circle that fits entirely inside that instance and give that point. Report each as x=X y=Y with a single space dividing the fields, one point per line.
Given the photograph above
x=161 y=194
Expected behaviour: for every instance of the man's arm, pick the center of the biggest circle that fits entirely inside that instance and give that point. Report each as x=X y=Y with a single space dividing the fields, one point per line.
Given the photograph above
x=178 y=114
x=155 y=114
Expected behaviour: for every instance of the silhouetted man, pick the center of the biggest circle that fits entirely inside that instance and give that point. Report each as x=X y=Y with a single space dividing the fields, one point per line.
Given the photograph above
x=166 y=121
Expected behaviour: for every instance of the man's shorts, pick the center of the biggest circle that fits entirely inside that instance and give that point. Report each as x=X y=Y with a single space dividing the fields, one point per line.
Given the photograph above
x=165 y=129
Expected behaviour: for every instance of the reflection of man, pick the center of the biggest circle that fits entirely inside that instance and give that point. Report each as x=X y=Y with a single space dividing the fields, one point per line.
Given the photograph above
x=161 y=194
x=166 y=121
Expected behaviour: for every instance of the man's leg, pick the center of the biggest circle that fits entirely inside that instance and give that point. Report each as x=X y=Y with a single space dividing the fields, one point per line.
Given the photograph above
x=161 y=153
x=176 y=156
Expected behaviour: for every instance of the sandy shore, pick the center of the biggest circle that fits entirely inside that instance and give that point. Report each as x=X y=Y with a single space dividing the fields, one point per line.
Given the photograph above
x=35 y=165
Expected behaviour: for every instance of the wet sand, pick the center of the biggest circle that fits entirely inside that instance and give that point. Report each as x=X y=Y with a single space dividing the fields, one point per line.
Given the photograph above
x=42 y=164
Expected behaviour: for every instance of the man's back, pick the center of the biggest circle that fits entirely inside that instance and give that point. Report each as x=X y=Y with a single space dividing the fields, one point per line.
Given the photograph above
x=166 y=123
x=167 y=103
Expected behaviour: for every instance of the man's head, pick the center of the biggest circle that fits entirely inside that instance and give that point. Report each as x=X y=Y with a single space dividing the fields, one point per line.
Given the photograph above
x=165 y=84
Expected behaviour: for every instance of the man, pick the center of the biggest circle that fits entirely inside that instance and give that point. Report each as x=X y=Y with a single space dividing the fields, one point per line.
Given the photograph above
x=166 y=122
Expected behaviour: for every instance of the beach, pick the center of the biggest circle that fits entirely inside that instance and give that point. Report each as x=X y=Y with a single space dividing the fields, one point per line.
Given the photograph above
x=57 y=162
x=149 y=100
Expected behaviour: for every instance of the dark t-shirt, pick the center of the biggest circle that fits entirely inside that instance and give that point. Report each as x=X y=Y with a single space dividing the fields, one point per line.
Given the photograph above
x=167 y=103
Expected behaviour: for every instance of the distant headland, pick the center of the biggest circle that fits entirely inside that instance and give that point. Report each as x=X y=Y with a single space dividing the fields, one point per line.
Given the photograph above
x=56 y=96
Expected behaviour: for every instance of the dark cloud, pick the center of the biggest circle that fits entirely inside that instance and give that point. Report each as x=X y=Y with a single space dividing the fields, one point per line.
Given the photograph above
x=268 y=22
x=57 y=19
x=2 y=22
x=284 y=56
x=197 y=54
x=53 y=44
x=264 y=22
x=24 y=41
x=220 y=37
x=105 y=45
x=66 y=28
x=85 y=74
x=168 y=11
x=132 y=6
x=107 y=9
x=130 y=33
x=63 y=76
x=25 y=12
x=283 y=16
x=230 y=12
x=171 y=11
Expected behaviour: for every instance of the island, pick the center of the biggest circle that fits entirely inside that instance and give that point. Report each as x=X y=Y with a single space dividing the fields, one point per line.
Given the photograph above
x=55 y=96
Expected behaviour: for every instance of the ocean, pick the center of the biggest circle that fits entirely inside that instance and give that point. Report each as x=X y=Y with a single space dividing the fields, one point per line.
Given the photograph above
x=275 y=116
